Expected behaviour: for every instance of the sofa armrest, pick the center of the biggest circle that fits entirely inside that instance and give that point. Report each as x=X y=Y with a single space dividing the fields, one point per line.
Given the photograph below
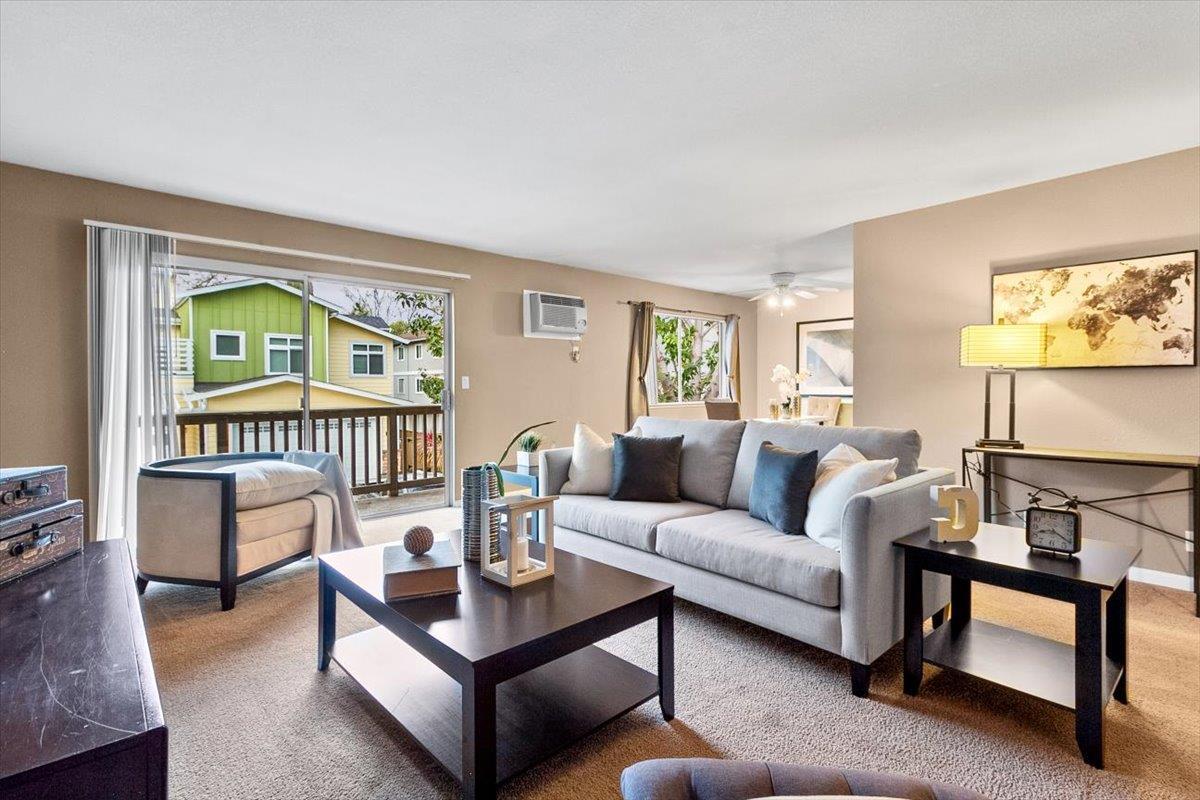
x=553 y=468
x=181 y=523
x=871 y=568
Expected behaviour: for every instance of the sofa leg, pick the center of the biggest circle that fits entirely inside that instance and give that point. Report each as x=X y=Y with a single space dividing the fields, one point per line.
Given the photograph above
x=141 y=584
x=939 y=617
x=228 y=595
x=860 y=679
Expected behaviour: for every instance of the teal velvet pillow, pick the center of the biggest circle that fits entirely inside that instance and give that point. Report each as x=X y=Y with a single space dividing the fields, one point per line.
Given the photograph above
x=783 y=480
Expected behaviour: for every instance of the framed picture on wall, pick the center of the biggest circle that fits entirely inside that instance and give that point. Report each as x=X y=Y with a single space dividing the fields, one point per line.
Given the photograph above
x=1136 y=312
x=825 y=347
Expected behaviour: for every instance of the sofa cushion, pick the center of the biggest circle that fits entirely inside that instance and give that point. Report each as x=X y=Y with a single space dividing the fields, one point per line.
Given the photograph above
x=710 y=449
x=261 y=523
x=874 y=443
x=627 y=522
x=734 y=544
x=646 y=468
x=271 y=482
x=590 y=471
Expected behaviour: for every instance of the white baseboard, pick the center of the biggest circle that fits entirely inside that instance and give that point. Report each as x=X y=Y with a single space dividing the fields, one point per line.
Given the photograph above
x=1170 y=580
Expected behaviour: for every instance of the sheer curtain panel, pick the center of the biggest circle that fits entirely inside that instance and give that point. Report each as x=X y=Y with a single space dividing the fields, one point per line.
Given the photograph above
x=733 y=359
x=129 y=346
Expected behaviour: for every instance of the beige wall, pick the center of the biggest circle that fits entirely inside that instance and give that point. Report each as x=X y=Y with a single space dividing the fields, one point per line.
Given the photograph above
x=921 y=275
x=777 y=337
x=514 y=381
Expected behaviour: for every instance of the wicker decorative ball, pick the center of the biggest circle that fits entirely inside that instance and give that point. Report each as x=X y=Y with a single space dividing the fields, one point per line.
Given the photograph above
x=418 y=539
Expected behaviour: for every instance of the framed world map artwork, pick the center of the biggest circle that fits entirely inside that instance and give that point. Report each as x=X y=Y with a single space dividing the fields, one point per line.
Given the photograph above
x=1138 y=312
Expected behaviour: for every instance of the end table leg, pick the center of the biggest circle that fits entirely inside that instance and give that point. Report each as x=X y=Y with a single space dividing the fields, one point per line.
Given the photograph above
x=914 y=619
x=478 y=739
x=1116 y=637
x=666 y=655
x=326 y=616
x=1089 y=666
x=960 y=603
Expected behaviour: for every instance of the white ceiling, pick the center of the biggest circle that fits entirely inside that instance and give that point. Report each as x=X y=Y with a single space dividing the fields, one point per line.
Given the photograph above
x=699 y=144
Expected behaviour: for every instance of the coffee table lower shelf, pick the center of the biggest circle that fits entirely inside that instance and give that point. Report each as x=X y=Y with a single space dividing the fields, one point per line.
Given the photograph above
x=1025 y=662
x=538 y=713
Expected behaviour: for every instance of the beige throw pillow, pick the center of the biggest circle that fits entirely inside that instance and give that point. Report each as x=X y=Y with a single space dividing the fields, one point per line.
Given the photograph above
x=591 y=462
x=841 y=474
x=269 y=483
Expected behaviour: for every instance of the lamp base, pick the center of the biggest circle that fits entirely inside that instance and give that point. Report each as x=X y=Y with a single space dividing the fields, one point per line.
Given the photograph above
x=1006 y=444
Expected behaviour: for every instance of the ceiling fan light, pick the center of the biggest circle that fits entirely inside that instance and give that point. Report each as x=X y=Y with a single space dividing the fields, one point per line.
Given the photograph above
x=788 y=301
x=772 y=300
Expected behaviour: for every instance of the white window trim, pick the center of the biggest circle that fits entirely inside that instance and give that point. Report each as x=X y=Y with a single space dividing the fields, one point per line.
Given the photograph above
x=417 y=356
x=652 y=371
x=382 y=352
x=267 y=347
x=212 y=345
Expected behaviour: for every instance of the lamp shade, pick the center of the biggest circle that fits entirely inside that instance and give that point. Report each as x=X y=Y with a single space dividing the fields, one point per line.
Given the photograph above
x=1003 y=346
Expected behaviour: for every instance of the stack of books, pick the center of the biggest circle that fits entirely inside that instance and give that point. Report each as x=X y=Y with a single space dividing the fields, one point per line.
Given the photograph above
x=431 y=574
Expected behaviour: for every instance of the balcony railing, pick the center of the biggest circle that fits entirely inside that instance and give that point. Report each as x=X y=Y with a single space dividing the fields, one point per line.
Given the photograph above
x=383 y=449
x=182 y=357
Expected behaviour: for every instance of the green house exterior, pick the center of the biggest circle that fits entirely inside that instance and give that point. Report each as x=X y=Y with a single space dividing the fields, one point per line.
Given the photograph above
x=256 y=311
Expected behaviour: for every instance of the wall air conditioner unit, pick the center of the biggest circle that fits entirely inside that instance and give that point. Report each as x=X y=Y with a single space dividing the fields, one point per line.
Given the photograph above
x=554 y=316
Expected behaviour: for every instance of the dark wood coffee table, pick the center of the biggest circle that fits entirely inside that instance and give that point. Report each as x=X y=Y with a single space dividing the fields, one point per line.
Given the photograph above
x=493 y=681
x=1080 y=678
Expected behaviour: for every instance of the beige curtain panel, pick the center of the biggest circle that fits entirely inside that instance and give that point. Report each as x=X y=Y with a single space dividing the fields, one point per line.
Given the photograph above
x=733 y=359
x=641 y=351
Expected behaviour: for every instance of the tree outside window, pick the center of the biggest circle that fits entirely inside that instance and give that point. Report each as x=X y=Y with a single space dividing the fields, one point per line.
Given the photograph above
x=687 y=358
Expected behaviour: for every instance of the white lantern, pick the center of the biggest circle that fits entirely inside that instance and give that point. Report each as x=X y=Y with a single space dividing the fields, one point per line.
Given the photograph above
x=517 y=511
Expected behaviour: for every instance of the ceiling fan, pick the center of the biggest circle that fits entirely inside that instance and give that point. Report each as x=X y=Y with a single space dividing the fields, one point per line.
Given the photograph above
x=783 y=294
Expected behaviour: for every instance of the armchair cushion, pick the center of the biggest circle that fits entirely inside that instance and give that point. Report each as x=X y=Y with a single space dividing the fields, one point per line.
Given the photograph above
x=256 y=524
x=269 y=483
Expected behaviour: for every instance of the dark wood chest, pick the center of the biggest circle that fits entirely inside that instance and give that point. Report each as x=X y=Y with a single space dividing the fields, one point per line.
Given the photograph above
x=80 y=715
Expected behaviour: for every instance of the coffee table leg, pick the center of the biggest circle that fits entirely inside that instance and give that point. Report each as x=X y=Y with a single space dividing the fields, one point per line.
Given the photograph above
x=479 y=739
x=914 y=619
x=666 y=655
x=1116 y=641
x=326 y=616
x=1089 y=665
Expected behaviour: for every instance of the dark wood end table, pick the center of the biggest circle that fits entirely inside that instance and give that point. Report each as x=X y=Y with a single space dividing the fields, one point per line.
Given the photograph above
x=1079 y=678
x=492 y=681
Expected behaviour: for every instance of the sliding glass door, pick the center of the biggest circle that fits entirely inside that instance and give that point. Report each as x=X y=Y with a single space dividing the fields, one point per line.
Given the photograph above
x=270 y=360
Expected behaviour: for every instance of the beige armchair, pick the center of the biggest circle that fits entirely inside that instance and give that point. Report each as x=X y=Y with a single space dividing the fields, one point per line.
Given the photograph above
x=190 y=531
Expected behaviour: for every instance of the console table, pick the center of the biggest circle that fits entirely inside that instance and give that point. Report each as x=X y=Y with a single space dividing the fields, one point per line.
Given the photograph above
x=1080 y=677
x=79 y=709
x=985 y=468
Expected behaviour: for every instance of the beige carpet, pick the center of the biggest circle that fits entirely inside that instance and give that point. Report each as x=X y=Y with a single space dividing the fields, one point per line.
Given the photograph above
x=250 y=717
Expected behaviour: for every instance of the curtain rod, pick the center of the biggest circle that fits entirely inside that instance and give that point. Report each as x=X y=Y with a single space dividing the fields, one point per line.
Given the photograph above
x=282 y=251
x=677 y=310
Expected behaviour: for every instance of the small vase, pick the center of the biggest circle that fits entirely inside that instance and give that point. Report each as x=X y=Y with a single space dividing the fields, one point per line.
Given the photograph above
x=526 y=458
x=797 y=407
x=773 y=409
x=478 y=483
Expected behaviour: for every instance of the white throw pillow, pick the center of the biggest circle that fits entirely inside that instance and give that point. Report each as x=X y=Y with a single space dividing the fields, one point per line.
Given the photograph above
x=843 y=473
x=591 y=462
x=269 y=483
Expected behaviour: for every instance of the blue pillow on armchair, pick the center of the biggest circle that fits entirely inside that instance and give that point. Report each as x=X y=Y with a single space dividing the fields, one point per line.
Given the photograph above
x=783 y=480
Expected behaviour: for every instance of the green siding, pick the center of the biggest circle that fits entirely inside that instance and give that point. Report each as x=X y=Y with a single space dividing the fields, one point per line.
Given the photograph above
x=256 y=310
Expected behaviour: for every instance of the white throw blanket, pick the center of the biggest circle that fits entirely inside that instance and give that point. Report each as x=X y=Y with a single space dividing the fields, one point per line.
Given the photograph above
x=345 y=531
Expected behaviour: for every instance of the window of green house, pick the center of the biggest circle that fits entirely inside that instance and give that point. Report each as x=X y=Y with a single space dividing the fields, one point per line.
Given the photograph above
x=227 y=346
x=366 y=359
x=285 y=354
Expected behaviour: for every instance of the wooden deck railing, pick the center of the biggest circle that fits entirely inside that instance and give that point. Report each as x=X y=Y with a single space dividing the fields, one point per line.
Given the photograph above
x=383 y=448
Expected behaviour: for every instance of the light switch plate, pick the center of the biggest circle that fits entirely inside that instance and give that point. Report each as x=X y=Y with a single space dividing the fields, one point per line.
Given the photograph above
x=466 y=382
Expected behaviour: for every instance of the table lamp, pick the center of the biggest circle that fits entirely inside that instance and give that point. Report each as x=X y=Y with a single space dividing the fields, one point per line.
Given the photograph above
x=1002 y=348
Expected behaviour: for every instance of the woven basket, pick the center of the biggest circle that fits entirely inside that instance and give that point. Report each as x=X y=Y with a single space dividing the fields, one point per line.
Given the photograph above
x=479 y=483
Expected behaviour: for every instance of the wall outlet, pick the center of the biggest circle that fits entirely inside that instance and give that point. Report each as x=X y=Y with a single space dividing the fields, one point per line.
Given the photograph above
x=466 y=381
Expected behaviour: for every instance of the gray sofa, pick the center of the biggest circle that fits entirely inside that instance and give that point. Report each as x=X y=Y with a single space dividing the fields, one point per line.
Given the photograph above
x=714 y=779
x=717 y=555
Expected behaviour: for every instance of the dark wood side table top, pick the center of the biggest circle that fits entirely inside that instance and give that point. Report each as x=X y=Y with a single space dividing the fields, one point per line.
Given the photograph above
x=76 y=680
x=486 y=619
x=1101 y=564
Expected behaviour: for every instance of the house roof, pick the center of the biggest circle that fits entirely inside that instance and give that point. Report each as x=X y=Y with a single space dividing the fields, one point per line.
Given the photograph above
x=224 y=389
x=351 y=319
x=247 y=282
x=413 y=339
x=369 y=319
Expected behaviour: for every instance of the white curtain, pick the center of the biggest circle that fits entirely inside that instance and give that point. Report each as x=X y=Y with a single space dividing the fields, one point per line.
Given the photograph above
x=733 y=359
x=132 y=411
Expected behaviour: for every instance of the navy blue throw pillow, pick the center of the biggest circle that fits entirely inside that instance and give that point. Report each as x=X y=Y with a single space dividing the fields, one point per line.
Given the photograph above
x=783 y=479
x=646 y=468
